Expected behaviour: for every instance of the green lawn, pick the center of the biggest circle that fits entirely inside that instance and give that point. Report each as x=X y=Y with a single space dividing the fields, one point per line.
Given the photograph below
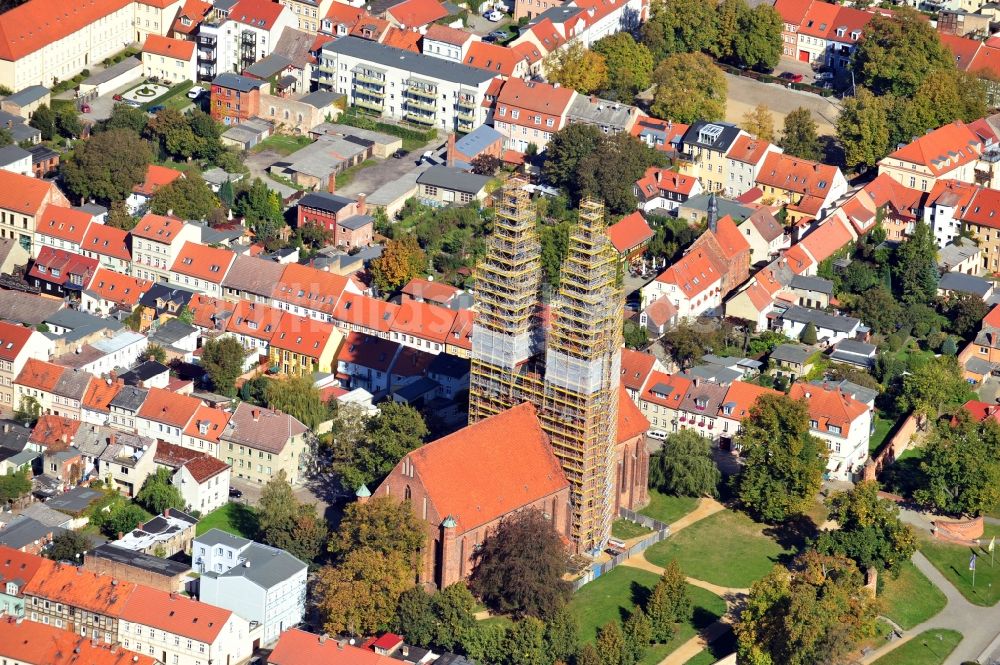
x=928 y=648
x=625 y=530
x=178 y=90
x=612 y=596
x=911 y=598
x=716 y=651
x=882 y=428
x=953 y=562
x=347 y=175
x=282 y=144
x=727 y=548
x=668 y=509
x=236 y=518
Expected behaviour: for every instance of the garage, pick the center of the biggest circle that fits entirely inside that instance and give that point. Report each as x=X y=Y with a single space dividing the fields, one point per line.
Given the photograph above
x=804 y=56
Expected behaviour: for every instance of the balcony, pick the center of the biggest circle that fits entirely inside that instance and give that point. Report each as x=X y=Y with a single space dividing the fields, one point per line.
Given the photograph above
x=421 y=105
x=465 y=126
x=422 y=90
x=373 y=91
x=363 y=103
x=371 y=79
x=465 y=115
x=206 y=55
x=419 y=118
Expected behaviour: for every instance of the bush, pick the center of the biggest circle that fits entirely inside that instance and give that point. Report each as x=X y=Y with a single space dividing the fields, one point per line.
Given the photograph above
x=356 y=118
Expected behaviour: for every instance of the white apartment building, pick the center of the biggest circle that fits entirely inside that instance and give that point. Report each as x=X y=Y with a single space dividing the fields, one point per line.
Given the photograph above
x=156 y=243
x=843 y=423
x=248 y=33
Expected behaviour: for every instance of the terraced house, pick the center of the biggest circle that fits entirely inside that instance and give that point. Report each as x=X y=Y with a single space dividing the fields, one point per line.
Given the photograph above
x=302 y=346
x=259 y=443
x=22 y=202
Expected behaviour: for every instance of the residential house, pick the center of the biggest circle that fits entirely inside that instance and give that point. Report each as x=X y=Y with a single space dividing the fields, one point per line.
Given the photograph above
x=201 y=268
x=164 y=535
x=979 y=219
x=964 y=255
x=529 y=113
x=360 y=313
x=703 y=149
x=765 y=235
x=203 y=431
x=630 y=235
x=345 y=218
x=95 y=408
x=949 y=152
x=660 y=401
x=16 y=159
x=156 y=177
x=57 y=272
x=899 y=205
x=793 y=361
x=110 y=246
x=201 y=478
x=109 y=291
x=251 y=278
x=235 y=98
x=663 y=190
x=302 y=346
x=264 y=585
x=740 y=399
x=248 y=31
x=128 y=461
x=422 y=326
x=309 y=13
x=814 y=292
x=156 y=243
x=18 y=345
x=830 y=328
x=853 y=352
x=440 y=41
x=259 y=443
x=16 y=570
x=28 y=535
x=436 y=293
x=701 y=407
x=308 y=291
x=61 y=228
x=957 y=283
x=37 y=380
x=23 y=200
x=415 y=15
x=145 y=569
x=446 y=185
x=124 y=407
x=481 y=142
x=611 y=117
x=661 y=135
x=169 y=60
x=843 y=423
x=37 y=644
x=805 y=188
x=165 y=415
x=253 y=325
x=744 y=161
x=365 y=361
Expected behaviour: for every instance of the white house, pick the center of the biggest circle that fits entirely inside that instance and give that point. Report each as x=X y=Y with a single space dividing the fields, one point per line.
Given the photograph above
x=843 y=422
x=830 y=328
x=693 y=284
x=249 y=32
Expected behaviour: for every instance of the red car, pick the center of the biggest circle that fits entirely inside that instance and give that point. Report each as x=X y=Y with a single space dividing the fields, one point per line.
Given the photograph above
x=789 y=76
x=85 y=108
x=117 y=98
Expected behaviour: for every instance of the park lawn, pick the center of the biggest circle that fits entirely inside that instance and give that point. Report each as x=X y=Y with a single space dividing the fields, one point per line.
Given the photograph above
x=625 y=530
x=283 y=144
x=668 y=509
x=716 y=651
x=911 y=598
x=235 y=518
x=727 y=548
x=930 y=647
x=952 y=561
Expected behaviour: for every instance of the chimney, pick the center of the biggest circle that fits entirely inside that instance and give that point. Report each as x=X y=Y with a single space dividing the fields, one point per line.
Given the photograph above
x=323 y=638
x=362 y=203
x=256 y=415
x=331 y=183
x=593 y=99
x=450 y=155
x=170 y=212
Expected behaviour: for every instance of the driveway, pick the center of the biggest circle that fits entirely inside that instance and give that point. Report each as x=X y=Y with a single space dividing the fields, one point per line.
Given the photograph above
x=746 y=93
x=258 y=162
x=369 y=179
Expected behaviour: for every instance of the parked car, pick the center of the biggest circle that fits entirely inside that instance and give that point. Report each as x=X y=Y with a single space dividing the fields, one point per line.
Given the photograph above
x=195 y=92
x=498 y=34
x=156 y=109
x=235 y=493
x=792 y=77
x=399 y=154
x=824 y=76
x=493 y=16
x=117 y=98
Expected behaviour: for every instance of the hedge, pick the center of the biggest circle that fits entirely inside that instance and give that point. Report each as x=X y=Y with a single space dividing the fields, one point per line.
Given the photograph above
x=356 y=118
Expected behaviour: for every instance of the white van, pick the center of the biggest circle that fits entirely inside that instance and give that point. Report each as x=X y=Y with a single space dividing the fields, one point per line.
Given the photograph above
x=657 y=434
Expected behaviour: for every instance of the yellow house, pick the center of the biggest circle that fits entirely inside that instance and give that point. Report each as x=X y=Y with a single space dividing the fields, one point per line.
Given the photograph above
x=309 y=13
x=260 y=443
x=704 y=147
x=302 y=346
x=169 y=59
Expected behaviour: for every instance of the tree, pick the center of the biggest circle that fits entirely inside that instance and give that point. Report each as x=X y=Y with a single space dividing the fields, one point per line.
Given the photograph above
x=360 y=595
x=67 y=546
x=684 y=466
x=298 y=397
x=44 y=120
x=157 y=353
x=68 y=123
x=638 y=632
x=587 y=655
x=808 y=335
x=961 y=468
x=758 y=40
x=171 y=130
x=896 y=54
x=629 y=63
x=526 y=642
x=123 y=518
x=610 y=172
x=816 y=613
x=519 y=567
x=784 y=463
x=119 y=217
x=401 y=261
x=914 y=268
x=567 y=148
x=285 y=523
x=188 y=198
x=965 y=313
x=107 y=165
x=28 y=410
x=799 y=137
x=944 y=96
x=679 y=27
x=933 y=387
x=878 y=308
x=455 y=615
x=124 y=116
x=223 y=361
x=562 y=635
x=381 y=524
x=689 y=87
x=759 y=122
x=14 y=485
x=487 y=642
x=729 y=22
x=485 y=164
x=394 y=431
x=227 y=196
x=262 y=210
x=635 y=335
x=611 y=644
x=684 y=343
x=669 y=603
x=159 y=493
x=863 y=129
x=577 y=68
x=949 y=347
x=871 y=533
x=414 y=617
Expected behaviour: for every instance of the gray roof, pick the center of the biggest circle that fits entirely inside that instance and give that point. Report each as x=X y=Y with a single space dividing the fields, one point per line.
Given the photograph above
x=166 y=292
x=12 y=153
x=726 y=207
x=14 y=435
x=977 y=365
x=817 y=284
x=114 y=71
x=269 y=566
x=214 y=537
x=324 y=156
x=27 y=96
x=357 y=222
x=80 y=324
x=557 y=14
x=216 y=176
x=74 y=501
x=25 y=531
x=267 y=67
x=144 y=371
x=90 y=208
x=321 y=98
x=237 y=82
x=854 y=346
x=72 y=383
x=719 y=142
x=325 y=201
x=792 y=353
x=333 y=129
x=294 y=45
x=171 y=332
x=962 y=283
x=477 y=140
x=26 y=308
x=445 y=364
x=129 y=398
x=715 y=373
x=149 y=563
x=223 y=233
x=600 y=112
x=447 y=177
x=41 y=512
x=417 y=389
x=860 y=393
x=417 y=63
x=951 y=255
x=821 y=319
x=269 y=432
x=19 y=131
x=253 y=275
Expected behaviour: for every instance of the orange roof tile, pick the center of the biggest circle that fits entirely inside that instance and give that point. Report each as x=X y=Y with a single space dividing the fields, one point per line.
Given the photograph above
x=657 y=181
x=309 y=287
x=107 y=241
x=635 y=368
x=368 y=351
x=943 y=149
x=798 y=259
x=992 y=319
x=748 y=149
x=547 y=34
x=631 y=421
x=447 y=35
x=203 y=262
x=17 y=567
x=158 y=228
x=99 y=394
x=416 y=13
x=303 y=335
x=34 y=25
x=178 y=49
x=54 y=433
x=962 y=48
x=885 y=190
x=175 y=614
x=533 y=98
x=63 y=223
x=435 y=292
x=493 y=58
x=258 y=13
x=163 y=406
x=402 y=39
x=210 y=313
x=39 y=375
x=23 y=194
x=423 y=320
x=662 y=134
x=156 y=177
x=740 y=398
x=12 y=340
x=344 y=14
x=469 y=477
x=37 y=643
x=792 y=11
x=460 y=334
x=115 y=287
x=983 y=208
x=297 y=647
x=359 y=310
x=58 y=266
x=195 y=11
x=827 y=239
x=254 y=320
x=208 y=423
x=412 y=362
x=204 y=467
x=730 y=240
x=661 y=311
x=666 y=389
x=793 y=174
x=69 y=585
x=694 y=272
x=370 y=28
x=829 y=406
x=759 y=296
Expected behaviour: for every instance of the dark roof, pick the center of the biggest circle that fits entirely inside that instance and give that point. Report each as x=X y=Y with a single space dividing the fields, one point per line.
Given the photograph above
x=447 y=177
x=417 y=63
x=74 y=501
x=113 y=71
x=147 y=562
x=30 y=94
x=792 y=353
x=962 y=283
x=237 y=82
x=357 y=222
x=143 y=372
x=703 y=134
x=264 y=566
x=320 y=98
x=817 y=284
x=267 y=67
x=821 y=319
x=726 y=207
x=26 y=308
x=129 y=398
x=12 y=153
x=42 y=153
x=170 y=332
x=166 y=292
x=325 y=201
x=24 y=531
x=445 y=364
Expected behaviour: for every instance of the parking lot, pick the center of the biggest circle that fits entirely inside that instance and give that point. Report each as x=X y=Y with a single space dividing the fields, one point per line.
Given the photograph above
x=746 y=93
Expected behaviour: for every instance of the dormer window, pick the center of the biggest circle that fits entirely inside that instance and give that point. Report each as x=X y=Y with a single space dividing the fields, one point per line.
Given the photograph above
x=203 y=427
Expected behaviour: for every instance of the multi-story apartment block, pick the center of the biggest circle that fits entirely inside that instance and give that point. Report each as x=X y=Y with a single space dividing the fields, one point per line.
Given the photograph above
x=529 y=113
x=260 y=443
x=399 y=84
x=245 y=33
x=253 y=325
x=201 y=268
x=156 y=243
x=23 y=200
x=61 y=228
x=110 y=246
x=235 y=98
x=703 y=150
x=154 y=18
x=309 y=13
x=18 y=345
x=842 y=422
x=124 y=406
x=946 y=153
x=302 y=346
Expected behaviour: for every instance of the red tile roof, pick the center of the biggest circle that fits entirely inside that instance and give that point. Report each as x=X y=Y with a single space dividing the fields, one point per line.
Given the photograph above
x=76 y=587
x=115 y=287
x=163 y=406
x=361 y=310
x=671 y=131
x=631 y=421
x=740 y=398
x=983 y=209
x=214 y=421
x=533 y=99
x=54 y=433
x=309 y=287
x=204 y=467
x=435 y=292
x=792 y=11
x=460 y=334
x=297 y=647
x=885 y=190
x=660 y=312
x=196 y=11
x=827 y=239
x=793 y=174
x=494 y=480
x=666 y=389
x=416 y=13
x=423 y=320
x=494 y=58
x=730 y=240
x=547 y=35
x=34 y=25
x=203 y=262
x=175 y=614
x=51 y=261
x=694 y=272
x=798 y=259
x=748 y=150
x=412 y=362
x=943 y=149
x=178 y=49
x=17 y=567
x=829 y=406
x=979 y=411
x=157 y=227
x=962 y=48
x=370 y=27
x=37 y=643
x=254 y=320
x=368 y=351
x=636 y=367
x=99 y=394
x=108 y=241
x=344 y=14
x=63 y=223
x=303 y=335
x=12 y=340
x=657 y=182
x=39 y=375
x=445 y=34
x=260 y=14
x=156 y=177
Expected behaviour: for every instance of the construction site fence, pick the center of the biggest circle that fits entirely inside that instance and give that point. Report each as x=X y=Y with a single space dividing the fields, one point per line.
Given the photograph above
x=660 y=532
